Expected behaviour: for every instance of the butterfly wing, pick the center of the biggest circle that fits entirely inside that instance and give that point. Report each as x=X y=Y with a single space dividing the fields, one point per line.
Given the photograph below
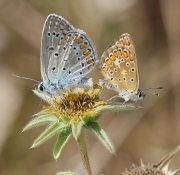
x=72 y=58
x=55 y=27
x=119 y=65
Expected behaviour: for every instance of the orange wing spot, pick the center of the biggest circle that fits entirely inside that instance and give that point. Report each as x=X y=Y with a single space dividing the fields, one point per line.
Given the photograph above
x=60 y=42
x=126 y=54
x=82 y=46
x=89 y=60
x=115 y=54
x=105 y=69
x=74 y=38
x=67 y=39
x=80 y=40
x=131 y=58
x=112 y=58
x=119 y=52
x=86 y=52
x=122 y=43
x=109 y=62
x=128 y=42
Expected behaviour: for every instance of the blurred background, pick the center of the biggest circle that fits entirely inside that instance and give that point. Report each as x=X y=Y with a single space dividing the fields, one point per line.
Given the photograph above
x=149 y=133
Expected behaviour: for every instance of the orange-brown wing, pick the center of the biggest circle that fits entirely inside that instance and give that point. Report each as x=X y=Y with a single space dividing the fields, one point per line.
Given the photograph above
x=119 y=64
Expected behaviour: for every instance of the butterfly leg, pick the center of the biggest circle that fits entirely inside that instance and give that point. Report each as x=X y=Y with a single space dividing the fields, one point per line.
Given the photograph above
x=114 y=97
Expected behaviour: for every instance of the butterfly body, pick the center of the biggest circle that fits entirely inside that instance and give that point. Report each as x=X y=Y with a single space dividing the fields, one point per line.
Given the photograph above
x=67 y=56
x=119 y=67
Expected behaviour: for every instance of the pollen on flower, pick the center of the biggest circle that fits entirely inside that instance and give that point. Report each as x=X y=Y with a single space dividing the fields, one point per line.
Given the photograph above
x=75 y=104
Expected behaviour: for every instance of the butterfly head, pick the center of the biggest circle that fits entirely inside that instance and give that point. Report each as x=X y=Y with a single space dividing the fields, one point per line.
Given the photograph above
x=138 y=96
x=42 y=91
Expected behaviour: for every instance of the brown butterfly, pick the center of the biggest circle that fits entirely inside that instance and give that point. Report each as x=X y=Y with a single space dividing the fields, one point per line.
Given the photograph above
x=120 y=69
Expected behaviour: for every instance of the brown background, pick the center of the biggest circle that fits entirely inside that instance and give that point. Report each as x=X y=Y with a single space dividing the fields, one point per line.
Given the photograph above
x=149 y=133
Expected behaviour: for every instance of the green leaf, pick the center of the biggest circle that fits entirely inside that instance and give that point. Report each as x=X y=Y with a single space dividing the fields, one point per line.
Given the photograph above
x=66 y=173
x=101 y=135
x=49 y=132
x=61 y=142
x=43 y=119
x=76 y=129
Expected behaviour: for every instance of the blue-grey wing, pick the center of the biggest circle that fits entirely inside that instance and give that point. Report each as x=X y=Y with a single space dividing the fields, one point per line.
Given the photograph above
x=55 y=27
x=72 y=59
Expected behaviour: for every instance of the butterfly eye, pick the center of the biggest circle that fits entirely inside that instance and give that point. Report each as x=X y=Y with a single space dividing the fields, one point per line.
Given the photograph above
x=41 y=87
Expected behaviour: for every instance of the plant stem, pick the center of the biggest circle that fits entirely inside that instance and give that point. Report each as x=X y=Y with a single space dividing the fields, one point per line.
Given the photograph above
x=83 y=150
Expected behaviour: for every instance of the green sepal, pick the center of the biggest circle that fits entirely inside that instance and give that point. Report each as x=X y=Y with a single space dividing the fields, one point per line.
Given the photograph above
x=61 y=142
x=40 y=120
x=101 y=135
x=49 y=132
x=76 y=129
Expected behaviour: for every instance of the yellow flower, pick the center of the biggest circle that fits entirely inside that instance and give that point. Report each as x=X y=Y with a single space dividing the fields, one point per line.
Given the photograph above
x=75 y=104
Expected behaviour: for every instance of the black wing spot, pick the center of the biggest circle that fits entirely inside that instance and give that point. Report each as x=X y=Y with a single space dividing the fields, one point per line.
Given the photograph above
x=74 y=48
x=64 y=48
x=56 y=54
x=77 y=53
x=64 y=68
x=82 y=64
x=69 y=72
x=81 y=37
x=80 y=73
x=49 y=34
x=53 y=33
x=53 y=68
x=85 y=43
x=57 y=35
x=51 y=48
x=79 y=58
x=132 y=69
x=111 y=78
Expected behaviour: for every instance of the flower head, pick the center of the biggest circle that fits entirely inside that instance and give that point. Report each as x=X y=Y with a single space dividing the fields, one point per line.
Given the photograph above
x=76 y=105
x=75 y=109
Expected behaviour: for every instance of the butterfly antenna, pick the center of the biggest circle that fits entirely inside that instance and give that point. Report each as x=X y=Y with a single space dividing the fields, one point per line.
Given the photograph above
x=31 y=87
x=154 y=93
x=14 y=75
